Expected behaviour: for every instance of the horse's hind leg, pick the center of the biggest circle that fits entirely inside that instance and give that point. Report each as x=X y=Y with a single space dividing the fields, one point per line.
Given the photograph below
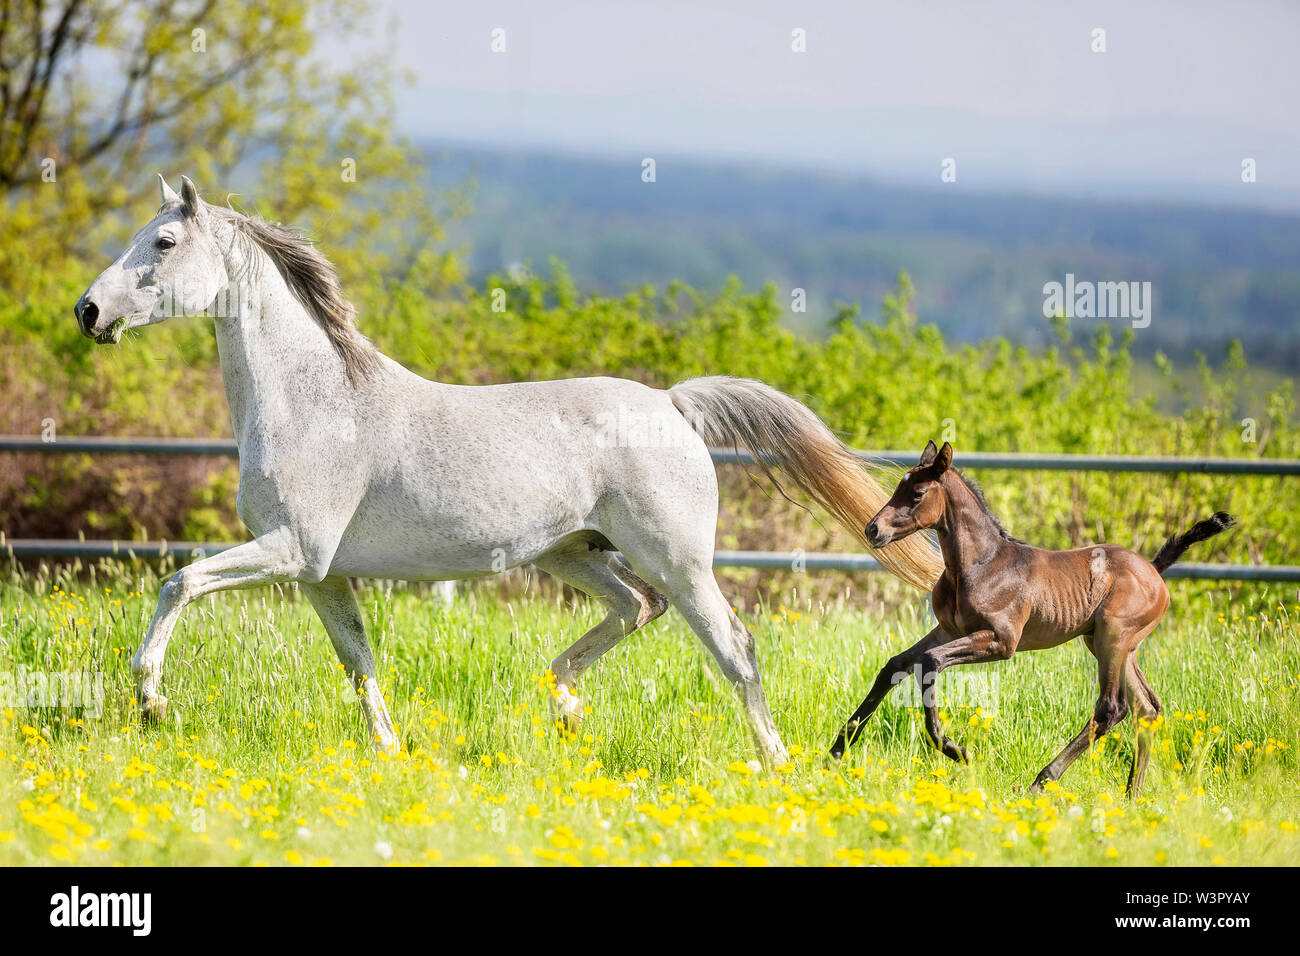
x=697 y=596
x=666 y=531
x=1146 y=708
x=631 y=602
x=337 y=607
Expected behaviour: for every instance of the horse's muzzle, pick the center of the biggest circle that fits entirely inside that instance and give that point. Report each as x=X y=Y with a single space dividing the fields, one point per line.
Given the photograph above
x=88 y=317
x=87 y=314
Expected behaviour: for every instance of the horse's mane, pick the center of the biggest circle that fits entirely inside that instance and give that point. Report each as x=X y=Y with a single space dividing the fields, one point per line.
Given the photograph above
x=314 y=283
x=978 y=494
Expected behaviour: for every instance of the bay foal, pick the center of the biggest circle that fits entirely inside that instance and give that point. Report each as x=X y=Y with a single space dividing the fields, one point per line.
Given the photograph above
x=998 y=595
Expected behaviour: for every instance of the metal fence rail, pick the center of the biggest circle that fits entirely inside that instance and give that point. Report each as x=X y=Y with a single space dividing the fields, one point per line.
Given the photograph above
x=224 y=447
x=823 y=561
x=121 y=446
x=1016 y=461
x=1009 y=461
x=785 y=560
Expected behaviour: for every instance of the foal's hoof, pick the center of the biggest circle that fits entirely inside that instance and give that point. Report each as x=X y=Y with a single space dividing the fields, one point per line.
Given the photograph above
x=952 y=750
x=849 y=733
x=153 y=710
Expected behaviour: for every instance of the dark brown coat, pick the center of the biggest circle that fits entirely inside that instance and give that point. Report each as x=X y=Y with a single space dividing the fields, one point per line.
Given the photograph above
x=998 y=595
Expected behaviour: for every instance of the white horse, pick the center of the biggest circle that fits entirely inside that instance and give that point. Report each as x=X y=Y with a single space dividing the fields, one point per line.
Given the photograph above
x=352 y=466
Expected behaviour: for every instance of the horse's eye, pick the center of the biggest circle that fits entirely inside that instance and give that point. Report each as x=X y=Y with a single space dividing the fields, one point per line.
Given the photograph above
x=165 y=242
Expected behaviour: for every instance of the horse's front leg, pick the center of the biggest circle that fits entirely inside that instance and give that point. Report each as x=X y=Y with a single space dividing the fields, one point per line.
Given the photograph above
x=272 y=558
x=336 y=603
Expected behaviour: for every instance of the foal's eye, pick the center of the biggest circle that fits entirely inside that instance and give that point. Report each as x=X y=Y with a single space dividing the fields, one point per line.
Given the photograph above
x=165 y=242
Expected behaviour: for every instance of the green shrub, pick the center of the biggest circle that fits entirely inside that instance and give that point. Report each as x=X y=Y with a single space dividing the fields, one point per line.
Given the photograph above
x=882 y=384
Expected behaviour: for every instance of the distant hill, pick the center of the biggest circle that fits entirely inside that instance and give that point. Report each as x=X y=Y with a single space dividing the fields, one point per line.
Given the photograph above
x=979 y=260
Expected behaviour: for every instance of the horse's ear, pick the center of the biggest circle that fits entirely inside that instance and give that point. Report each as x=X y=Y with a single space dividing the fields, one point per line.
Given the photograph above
x=166 y=192
x=943 y=459
x=193 y=204
x=927 y=456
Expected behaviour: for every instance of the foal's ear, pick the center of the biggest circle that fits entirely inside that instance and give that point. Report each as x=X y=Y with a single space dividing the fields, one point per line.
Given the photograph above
x=944 y=458
x=193 y=204
x=927 y=456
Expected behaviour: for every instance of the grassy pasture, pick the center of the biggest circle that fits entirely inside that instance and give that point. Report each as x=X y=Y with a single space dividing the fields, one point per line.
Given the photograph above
x=263 y=758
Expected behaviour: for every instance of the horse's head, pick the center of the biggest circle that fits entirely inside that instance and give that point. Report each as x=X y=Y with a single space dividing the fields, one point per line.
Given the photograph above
x=917 y=502
x=173 y=266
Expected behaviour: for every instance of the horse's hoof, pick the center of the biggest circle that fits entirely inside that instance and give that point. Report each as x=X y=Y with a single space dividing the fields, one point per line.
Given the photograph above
x=570 y=723
x=153 y=710
x=567 y=720
x=567 y=710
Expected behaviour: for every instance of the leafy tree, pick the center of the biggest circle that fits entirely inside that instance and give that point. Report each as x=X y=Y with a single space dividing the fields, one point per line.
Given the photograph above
x=95 y=97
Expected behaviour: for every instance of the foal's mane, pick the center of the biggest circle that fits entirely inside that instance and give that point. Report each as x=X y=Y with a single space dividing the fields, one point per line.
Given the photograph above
x=314 y=283
x=978 y=493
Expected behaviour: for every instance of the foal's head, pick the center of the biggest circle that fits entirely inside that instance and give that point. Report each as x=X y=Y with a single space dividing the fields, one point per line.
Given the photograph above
x=173 y=266
x=918 y=501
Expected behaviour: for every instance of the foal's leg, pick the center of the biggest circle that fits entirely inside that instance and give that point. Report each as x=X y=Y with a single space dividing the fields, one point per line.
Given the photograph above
x=336 y=605
x=1146 y=706
x=272 y=558
x=974 y=648
x=1108 y=712
x=893 y=673
x=631 y=602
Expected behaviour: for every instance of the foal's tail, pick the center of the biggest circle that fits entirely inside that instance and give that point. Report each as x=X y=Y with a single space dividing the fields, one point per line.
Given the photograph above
x=777 y=430
x=1173 y=548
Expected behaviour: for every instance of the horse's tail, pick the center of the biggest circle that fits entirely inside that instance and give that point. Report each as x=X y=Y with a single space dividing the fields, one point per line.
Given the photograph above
x=777 y=430
x=1173 y=548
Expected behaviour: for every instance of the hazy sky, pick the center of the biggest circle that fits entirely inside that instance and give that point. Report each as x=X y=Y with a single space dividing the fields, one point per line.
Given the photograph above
x=1011 y=90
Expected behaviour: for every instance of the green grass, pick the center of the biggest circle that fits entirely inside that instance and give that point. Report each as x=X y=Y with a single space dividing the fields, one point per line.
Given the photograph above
x=264 y=759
